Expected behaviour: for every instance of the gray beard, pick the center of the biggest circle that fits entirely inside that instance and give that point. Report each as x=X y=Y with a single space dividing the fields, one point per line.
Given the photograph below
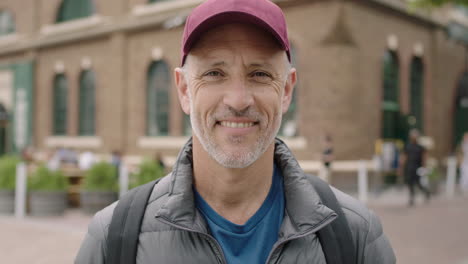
x=238 y=160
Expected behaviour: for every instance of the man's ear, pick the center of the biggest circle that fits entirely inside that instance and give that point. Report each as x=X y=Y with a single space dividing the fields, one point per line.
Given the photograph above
x=289 y=89
x=182 y=89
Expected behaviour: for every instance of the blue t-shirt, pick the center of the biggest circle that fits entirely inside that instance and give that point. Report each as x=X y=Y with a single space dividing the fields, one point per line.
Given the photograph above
x=253 y=241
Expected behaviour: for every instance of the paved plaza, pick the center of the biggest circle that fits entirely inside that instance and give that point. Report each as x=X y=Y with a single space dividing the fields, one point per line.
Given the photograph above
x=433 y=233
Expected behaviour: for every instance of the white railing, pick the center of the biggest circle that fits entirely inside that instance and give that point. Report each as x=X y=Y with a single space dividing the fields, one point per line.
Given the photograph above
x=20 y=191
x=451 y=176
x=123 y=180
x=361 y=167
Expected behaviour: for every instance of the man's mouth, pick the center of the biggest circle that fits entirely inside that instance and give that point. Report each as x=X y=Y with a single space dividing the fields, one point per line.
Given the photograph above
x=236 y=124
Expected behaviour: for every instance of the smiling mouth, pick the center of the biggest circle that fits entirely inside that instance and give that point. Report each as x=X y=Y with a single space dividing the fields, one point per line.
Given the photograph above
x=236 y=124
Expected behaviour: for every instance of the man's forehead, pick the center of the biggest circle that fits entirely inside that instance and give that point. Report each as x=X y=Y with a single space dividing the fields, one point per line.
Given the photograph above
x=223 y=61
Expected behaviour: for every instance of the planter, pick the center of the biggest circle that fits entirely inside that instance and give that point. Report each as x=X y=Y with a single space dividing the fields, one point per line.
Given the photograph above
x=93 y=201
x=47 y=203
x=7 y=201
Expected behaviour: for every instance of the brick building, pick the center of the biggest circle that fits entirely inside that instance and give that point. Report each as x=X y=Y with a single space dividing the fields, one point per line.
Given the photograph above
x=98 y=75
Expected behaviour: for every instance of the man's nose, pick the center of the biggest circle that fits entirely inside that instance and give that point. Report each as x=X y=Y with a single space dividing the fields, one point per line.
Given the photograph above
x=238 y=96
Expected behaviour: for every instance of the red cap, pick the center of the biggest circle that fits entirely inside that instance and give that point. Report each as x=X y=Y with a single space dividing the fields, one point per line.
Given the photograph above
x=212 y=13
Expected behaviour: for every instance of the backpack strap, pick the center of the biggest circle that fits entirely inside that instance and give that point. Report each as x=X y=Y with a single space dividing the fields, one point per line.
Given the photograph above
x=122 y=240
x=124 y=229
x=335 y=238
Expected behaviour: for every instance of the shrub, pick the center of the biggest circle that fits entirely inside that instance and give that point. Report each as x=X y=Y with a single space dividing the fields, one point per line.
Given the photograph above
x=44 y=179
x=390 y=178
x=148 y=171
x=101 y=176
x=8 y=172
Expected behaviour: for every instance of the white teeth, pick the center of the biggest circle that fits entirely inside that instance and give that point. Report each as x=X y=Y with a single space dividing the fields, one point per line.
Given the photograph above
x=236 y=124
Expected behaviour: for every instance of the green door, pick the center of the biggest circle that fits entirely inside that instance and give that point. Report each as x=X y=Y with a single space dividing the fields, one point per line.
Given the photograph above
x=461 y=110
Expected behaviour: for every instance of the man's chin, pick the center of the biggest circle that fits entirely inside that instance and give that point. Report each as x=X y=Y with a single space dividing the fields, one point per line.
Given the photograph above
x=235 y=158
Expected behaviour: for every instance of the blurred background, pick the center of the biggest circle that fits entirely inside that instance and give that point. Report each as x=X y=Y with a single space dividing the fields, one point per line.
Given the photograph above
x=88 y=109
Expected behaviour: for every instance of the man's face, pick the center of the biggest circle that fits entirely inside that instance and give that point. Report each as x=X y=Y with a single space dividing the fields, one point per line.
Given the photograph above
x=236 y=84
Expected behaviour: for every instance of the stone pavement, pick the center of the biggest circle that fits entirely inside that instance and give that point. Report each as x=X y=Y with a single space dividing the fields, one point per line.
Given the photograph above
x=427 y=233
x=52 y=240
x=433 y=233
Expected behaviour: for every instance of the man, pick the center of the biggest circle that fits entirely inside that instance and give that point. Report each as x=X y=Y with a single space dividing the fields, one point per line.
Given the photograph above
x=237 y=195
x=413 y=161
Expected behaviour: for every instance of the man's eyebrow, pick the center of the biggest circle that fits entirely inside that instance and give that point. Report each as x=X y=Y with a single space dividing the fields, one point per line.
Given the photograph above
x=218 y=64
x=261 y=64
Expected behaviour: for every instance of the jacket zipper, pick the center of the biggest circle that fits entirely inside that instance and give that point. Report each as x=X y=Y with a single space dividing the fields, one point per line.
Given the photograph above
x=327 y=220
x=209 y=238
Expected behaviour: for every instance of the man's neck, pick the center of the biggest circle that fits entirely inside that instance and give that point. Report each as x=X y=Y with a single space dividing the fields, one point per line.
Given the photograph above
x=235 y=194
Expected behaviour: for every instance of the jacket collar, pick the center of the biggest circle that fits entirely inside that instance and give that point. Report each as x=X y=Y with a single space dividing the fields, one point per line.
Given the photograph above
x=303 y=211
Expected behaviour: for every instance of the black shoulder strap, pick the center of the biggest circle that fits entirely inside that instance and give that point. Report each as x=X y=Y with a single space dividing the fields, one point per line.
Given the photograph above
x=336 y=240
x=124 y=229
x=123 y=233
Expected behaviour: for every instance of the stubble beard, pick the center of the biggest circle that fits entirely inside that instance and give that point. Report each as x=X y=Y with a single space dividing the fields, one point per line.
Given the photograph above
x=237 y=159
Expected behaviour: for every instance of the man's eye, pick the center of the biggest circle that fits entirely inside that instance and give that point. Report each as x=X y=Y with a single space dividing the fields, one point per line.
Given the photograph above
x=213 y=74
x=261 y=74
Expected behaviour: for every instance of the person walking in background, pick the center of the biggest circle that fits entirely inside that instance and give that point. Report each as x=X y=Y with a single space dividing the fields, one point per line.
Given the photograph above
x=116 y=159
x=327 y=156
x=86 y=160
x=53 y=160
x=413 y=158
x=464 y=164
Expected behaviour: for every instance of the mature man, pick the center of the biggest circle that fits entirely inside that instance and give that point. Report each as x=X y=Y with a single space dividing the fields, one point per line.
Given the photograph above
x=236 y=194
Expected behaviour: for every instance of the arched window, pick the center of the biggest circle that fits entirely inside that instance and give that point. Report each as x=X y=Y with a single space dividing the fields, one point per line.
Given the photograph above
x=289 y=124
x=74 y=9
x=157 y=99
x=390 y=106
x=461 y=110
x=416 y=93
x=87 y=104
x=7 y=24
x=60 y=95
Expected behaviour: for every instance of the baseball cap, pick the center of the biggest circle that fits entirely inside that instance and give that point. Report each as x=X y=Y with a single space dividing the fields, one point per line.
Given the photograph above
x=211 y=13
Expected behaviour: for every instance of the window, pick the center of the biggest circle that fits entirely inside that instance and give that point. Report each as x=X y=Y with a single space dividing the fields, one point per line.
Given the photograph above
x=74 y=9
x=187 y=125
x=390 y=106
x=461 y=110
x=157 y=99
x=60 y=95
x=87 y=104
x=155 y=1
x=4 y=120
x=7 y=25
x=416 y=94
x=289 y=124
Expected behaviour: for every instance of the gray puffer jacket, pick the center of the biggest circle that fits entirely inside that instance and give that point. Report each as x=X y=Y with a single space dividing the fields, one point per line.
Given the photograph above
x=174 y=231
